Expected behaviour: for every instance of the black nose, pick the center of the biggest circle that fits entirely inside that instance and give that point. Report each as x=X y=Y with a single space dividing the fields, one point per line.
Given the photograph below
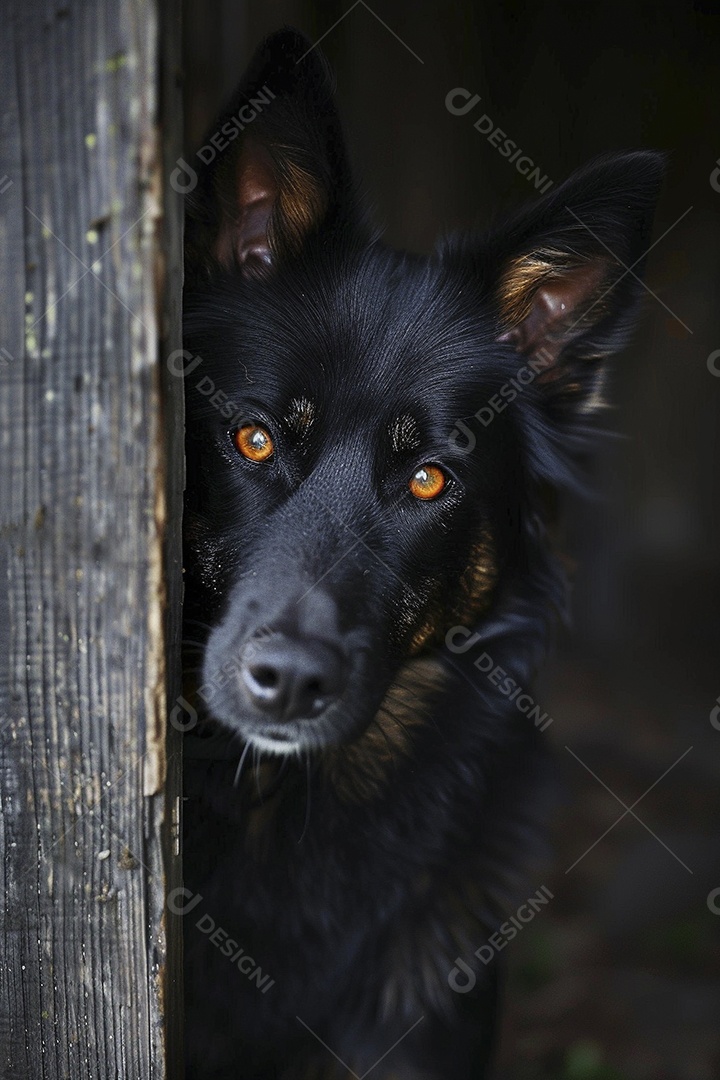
x=290 y=679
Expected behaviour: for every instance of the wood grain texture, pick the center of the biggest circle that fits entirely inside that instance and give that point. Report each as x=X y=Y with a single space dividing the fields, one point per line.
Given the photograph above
x=90 y=488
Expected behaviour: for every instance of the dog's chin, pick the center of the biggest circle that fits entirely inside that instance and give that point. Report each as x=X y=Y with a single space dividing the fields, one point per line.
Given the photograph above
x=270 y=743
x=303 y=736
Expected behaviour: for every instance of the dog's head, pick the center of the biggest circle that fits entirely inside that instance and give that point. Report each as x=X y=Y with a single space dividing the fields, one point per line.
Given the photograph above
x=367 y=429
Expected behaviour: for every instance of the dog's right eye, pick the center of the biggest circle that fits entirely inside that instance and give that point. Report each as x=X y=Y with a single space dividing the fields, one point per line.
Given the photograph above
x=428 y=482
x=254 y=442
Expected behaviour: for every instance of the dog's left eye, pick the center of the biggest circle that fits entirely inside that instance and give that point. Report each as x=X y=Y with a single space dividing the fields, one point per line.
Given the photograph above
x=254 y=442
x=427 y=482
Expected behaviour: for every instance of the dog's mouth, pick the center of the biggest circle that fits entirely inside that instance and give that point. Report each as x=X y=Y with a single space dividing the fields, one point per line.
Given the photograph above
x=331 y=727
x=303 y=735
x=387 y=731
x=281 y=743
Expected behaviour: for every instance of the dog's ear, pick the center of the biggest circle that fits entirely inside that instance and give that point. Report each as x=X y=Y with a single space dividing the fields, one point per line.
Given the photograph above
x=565 y=273
x=273 y=169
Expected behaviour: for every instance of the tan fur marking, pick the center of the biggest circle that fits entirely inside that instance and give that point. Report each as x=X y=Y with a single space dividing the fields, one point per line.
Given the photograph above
x=426 y=633
x=301 y=414
x=404 y=433
x=444 y=921
x=362 y=770
x=476 y=589
x=480 y=578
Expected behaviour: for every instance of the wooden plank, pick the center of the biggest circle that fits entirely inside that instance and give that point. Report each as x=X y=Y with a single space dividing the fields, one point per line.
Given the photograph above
x=90 y=480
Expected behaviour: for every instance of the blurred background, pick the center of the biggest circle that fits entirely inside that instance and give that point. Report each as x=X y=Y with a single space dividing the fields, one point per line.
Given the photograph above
x=618 y=978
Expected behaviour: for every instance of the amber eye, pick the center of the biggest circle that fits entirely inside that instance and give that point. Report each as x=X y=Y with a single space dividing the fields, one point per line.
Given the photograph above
x=427 y=482
x=254 y=442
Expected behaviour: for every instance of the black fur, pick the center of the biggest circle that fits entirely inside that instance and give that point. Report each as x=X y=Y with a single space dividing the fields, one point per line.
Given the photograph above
x=357 y=870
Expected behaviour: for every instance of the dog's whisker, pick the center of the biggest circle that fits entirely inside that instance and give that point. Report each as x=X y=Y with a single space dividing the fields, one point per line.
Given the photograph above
x=192 y=669
x=239 y=770
x=188 y=621
x=257 y=755
x=307 y=798
x=189 y=643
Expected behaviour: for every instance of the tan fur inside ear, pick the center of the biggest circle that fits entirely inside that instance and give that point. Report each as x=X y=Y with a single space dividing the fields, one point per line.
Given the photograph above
x=301 y=206
x=269 y=204
x=523 y=277
x=547 y=299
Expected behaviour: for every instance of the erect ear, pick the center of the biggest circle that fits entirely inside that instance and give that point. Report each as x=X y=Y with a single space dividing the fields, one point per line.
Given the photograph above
x=273 y=169
x=566 y=273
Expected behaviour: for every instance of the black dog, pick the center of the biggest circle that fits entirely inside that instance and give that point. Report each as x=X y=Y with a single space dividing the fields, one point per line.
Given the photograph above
x=371 y=439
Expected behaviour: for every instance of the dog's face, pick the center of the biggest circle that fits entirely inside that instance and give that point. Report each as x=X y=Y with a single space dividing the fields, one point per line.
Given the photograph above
x=366 y=429
x=337 y=519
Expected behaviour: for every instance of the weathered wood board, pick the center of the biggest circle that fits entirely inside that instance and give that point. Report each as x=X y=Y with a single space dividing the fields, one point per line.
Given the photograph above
x=90 y=489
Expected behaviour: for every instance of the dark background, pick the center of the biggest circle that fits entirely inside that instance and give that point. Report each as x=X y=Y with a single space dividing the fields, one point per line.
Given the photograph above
x=618 y=977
